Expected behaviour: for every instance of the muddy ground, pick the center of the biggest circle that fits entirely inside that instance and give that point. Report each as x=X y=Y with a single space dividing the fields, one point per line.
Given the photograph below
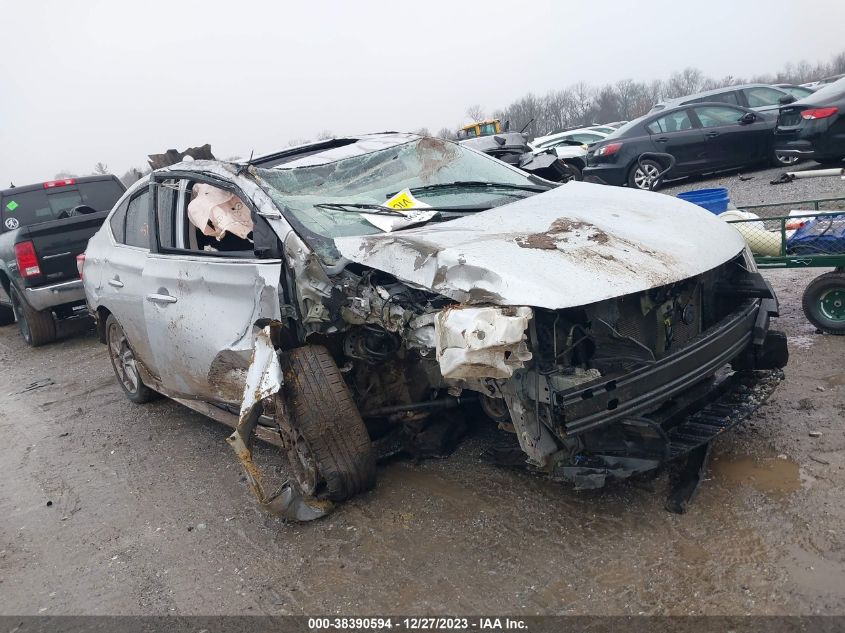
x=108 y=507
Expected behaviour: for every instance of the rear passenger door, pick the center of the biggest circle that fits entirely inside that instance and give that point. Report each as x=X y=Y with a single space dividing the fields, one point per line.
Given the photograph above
x=202 y=297
x=121 y=286
x=676 y=134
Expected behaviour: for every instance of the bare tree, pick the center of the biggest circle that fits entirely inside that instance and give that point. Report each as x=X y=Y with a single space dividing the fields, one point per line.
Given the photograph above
x=446 y=133
x=423 y=131
x=475 y=112
x=62 y=175
x=325 y=135
x=626 y=94
x=557 y=111
x=101 y=169
x=297 y=141
x=582 y=102
x=606 y=105
x=685 y=82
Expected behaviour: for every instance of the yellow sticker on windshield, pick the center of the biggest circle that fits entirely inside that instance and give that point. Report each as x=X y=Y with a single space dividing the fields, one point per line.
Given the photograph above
x=405 y=201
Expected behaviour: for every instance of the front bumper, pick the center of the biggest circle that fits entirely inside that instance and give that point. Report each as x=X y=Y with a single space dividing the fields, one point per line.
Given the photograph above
x=45 y=297
x=739 y=395
x=598 y=404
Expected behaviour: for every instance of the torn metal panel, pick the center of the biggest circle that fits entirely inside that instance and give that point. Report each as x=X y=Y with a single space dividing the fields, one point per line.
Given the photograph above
x=264 y=380
x=481 y=342
x=573 y=245
x=264 y=376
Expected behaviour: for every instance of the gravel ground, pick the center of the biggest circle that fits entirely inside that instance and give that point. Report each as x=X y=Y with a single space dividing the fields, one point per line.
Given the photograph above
x=114 y=508
x=758 y=189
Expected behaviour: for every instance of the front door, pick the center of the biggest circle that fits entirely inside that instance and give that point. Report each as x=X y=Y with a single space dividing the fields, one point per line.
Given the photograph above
x=202 y=298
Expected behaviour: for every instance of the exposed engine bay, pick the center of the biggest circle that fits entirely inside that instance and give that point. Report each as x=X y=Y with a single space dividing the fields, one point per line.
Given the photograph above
x=580 y=388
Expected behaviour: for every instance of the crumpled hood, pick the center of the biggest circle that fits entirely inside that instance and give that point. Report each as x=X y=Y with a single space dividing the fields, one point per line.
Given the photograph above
x=571 y=246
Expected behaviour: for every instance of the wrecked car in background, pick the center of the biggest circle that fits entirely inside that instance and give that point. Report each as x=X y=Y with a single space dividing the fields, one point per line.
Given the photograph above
x=333 y=296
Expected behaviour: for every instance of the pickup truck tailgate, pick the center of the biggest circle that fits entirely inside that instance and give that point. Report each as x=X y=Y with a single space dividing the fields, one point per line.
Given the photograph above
x=57 y=243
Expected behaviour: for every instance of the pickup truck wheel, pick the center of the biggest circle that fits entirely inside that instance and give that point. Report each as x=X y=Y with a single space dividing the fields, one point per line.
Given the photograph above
x=38 y=327
x=328 y=445
x=824 y=303
x=124 y=364
x=7 y=315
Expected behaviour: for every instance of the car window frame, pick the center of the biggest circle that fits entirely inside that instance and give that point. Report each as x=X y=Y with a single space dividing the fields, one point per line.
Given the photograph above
x=127 y=199
x=178 y=225
x=687 y=110
x=745 y=91
x=135 y=195
x=700 y=125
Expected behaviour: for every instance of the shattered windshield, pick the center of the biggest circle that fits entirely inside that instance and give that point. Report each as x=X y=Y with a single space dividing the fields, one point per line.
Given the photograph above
x=429 y=167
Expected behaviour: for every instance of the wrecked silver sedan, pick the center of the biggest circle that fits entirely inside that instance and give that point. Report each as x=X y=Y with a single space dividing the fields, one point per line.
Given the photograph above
x=347 y=297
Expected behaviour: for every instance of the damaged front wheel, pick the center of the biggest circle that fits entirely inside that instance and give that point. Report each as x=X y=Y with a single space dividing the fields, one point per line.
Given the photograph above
x=328 y=445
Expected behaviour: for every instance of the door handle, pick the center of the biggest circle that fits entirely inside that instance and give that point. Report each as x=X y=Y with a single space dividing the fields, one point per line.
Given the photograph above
x=156 y=298
x=712 y=134
x=114 y=281
x=662 y=139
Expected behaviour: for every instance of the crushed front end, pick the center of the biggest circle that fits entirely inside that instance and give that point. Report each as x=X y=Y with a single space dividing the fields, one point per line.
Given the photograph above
x=625 y=385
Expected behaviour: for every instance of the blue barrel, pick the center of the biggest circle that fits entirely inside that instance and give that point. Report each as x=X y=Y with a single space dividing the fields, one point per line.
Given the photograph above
x=714 y=200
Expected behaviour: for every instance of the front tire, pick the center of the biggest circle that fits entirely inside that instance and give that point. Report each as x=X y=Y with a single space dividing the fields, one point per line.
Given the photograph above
x=328 y=445
x=124 y=364
x=643 y=174
x=824 y=303
x=38 y=327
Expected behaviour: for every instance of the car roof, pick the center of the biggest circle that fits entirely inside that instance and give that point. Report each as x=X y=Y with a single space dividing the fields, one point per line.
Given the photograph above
x=565 y=133
x=715 y=91
x=331 y=150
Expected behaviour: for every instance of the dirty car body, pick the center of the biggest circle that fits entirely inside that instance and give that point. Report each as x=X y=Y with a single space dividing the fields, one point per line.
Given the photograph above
x=608 y=330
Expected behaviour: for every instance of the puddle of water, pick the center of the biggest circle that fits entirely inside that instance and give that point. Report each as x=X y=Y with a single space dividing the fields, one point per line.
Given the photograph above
x=775 y=477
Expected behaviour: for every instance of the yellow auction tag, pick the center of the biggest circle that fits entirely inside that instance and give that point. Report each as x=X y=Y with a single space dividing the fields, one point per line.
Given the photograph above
x=405 y=201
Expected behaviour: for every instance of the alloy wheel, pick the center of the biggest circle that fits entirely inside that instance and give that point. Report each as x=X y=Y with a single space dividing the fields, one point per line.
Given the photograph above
x=645 y=175
x=123 y=359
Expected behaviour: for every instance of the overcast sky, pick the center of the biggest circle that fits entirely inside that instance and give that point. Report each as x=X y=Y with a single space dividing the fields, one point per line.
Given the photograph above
x=82 y=82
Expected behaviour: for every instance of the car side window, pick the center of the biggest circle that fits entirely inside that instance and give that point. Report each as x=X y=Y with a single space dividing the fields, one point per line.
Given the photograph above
x=137 y=221
x=729 y=97
x=118 y=222
x=718 y=116
x=166 y=194
x=761 y=96
x=211 y=221
x=674 y=122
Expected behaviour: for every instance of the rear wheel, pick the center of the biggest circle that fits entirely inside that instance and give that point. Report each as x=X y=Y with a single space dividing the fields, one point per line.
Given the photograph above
x=38 y=327
x=124 y=364
x=824 y=302
x=784 y=160
x=643 y=174
x=328 y=445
